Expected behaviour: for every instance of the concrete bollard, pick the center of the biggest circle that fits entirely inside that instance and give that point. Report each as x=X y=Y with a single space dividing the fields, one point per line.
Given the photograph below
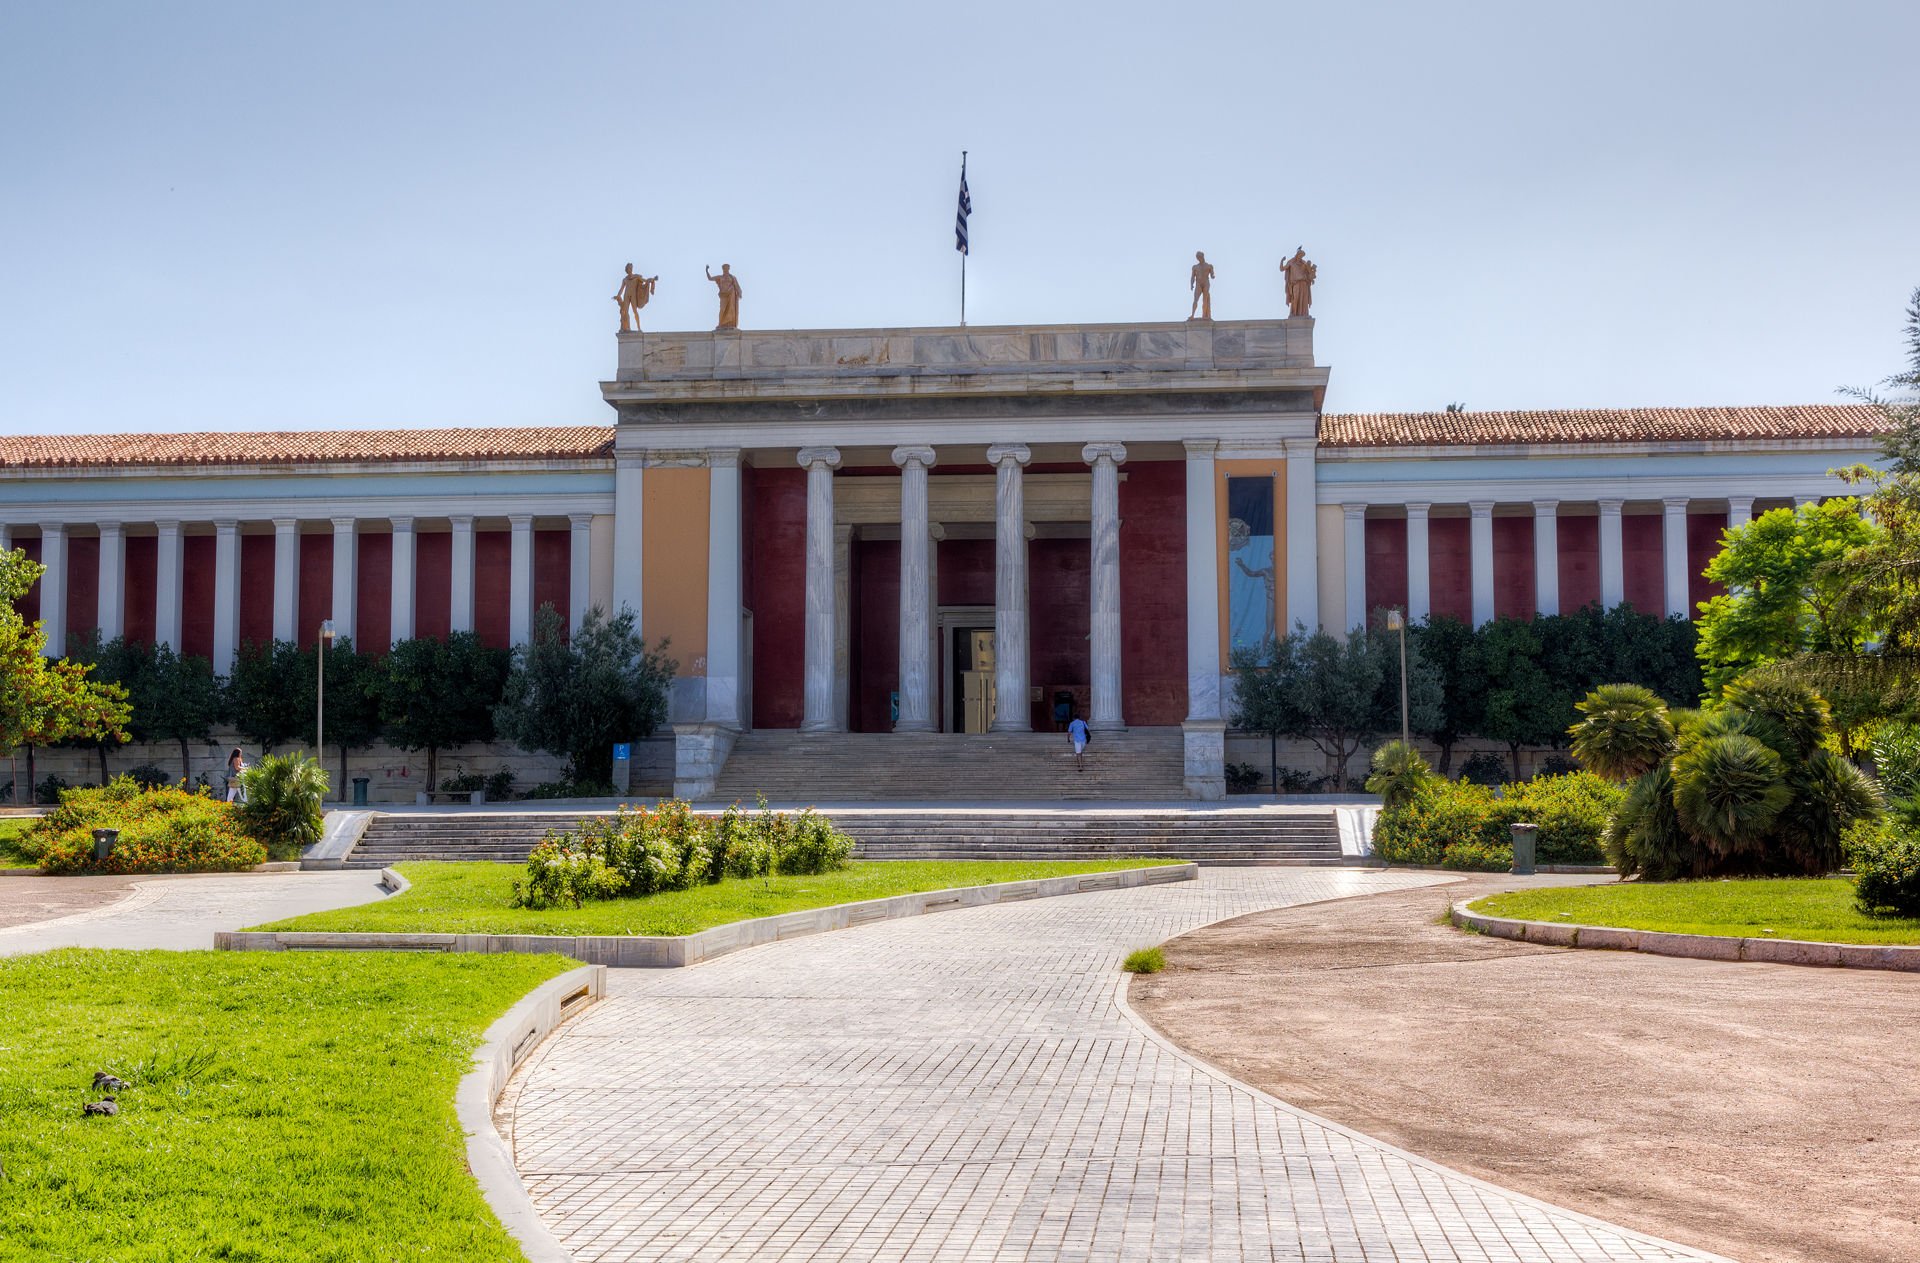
x=1524 y=837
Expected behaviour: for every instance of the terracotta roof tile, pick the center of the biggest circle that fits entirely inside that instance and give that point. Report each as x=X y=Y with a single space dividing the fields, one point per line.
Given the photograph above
x=1598 y=425
x=306 y=447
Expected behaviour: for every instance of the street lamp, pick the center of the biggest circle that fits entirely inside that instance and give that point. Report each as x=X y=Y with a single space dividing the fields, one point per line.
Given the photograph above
x=1396 y=621
x=320 y=700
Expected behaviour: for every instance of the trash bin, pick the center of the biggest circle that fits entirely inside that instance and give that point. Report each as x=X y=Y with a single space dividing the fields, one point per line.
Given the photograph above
x=360 y=784
x=1524 y=837
x=103 y=840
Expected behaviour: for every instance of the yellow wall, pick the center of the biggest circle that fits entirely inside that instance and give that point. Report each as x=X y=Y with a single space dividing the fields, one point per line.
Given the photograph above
x=673 y=559
x=1265 y=467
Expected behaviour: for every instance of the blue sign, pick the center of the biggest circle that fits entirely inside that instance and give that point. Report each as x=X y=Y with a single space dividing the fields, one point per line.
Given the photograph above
x=622 y=750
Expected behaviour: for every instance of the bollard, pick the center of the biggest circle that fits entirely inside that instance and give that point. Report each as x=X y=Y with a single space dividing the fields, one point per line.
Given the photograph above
x=1524 y=837
x=360 y=784
x=103 y=840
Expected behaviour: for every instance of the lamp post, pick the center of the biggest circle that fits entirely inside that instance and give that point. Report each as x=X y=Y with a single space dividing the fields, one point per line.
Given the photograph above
x=1396 y=621
x=324 y=643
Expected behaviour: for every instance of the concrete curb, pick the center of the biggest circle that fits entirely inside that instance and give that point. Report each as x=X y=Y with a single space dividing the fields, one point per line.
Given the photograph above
x=663 y=952
x=342 y=833
x=508 y=1042
x=1774 y=951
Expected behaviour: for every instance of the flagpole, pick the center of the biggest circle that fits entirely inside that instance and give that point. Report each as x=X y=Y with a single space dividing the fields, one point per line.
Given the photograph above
x=963 y=253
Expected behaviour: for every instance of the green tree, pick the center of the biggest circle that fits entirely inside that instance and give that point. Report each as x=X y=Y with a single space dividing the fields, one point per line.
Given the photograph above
x=577 y=698
x=177 y=698
x=1783 y=595
x=1453 y=650
x=440 y=693
x=270 y=693
x=1526 y=705
x=1341 y=695
x=44 y=700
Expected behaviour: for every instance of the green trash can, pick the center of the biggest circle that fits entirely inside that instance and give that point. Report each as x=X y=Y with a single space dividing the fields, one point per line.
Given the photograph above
x=1524 y=838
x=360 y=784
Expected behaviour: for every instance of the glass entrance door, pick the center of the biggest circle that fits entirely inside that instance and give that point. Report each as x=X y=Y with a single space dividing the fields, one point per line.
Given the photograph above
x=973 y=663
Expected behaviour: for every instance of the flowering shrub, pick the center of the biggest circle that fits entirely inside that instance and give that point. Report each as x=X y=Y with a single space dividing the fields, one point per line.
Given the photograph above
x=1458 y=824
x=161 y=831
x=642 y=851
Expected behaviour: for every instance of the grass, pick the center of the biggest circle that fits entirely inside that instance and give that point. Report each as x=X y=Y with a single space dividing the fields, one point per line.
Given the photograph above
x=1148 y=960
x=283 y=1105
x=472 y=898
x=1819 y=909
x=11 y=827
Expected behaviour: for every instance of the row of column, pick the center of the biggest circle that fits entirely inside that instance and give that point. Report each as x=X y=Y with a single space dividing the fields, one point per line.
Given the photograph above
x=819 y=712
x=1546 y=556
x=168 y=582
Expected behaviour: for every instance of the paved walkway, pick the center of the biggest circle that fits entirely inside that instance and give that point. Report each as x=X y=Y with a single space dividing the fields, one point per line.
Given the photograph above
x=182 y=913
x=969 y=1086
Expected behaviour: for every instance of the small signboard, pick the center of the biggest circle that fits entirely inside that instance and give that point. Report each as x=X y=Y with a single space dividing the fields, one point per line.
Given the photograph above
x=622 y=750
x=622 y=766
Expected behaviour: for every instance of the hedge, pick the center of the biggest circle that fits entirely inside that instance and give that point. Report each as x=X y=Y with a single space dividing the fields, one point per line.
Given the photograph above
x=1461 y=825
x=161 y=831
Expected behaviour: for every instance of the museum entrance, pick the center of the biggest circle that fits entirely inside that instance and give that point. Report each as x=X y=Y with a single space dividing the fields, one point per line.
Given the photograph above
x=972 y=690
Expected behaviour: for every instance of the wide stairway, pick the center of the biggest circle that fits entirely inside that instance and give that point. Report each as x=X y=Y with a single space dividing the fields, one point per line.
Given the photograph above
x=1137 y=765
x=1256 y=835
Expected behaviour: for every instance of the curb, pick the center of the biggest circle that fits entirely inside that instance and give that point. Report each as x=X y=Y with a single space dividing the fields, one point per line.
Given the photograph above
x=1773 y=951
x=678 y=951
x=342 y=833
x=508 y=1042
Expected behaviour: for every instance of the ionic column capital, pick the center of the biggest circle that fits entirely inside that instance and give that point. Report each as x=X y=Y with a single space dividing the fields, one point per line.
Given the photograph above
x=1354 y=511
x=1416 y=509
x=167 y=527
x=1481 y=508
x=1676 y=504
x=922 y=456
x=520 y=521
x=108 y=529
x=402 y=525
x=812 y=457
x=1000 y=453
x=1093 y=453
x=1611 y=508
x=580 y=521
x=343 y=525
x=286 y=525
x=1545 y=508
x=936 y=532
x=1200 y=449
x=226 y=525
x=723 y=457
x=462 y=522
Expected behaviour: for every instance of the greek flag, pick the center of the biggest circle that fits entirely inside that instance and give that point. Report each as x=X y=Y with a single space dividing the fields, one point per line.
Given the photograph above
x=966 y=209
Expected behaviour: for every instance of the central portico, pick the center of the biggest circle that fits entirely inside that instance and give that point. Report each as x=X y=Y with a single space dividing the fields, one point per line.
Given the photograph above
x=958 y=529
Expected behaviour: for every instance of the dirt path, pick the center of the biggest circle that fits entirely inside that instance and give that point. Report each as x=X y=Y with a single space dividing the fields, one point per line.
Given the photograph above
x=1770 y=1113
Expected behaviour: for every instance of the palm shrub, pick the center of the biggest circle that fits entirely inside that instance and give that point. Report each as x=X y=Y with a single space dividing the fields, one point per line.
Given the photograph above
x=1399 y=772
x=1622 y=732
x=282 y=807
x=1896 y=759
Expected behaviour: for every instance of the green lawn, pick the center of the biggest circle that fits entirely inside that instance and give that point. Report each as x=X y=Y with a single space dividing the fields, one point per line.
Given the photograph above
x=320 y=1126
x=472 y=898
x=12 y=827
x=1814 y=908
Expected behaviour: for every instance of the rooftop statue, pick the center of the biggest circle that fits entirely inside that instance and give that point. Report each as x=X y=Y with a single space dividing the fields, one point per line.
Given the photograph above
x=1201 y=283
x=729 y=286
x=632 y=295
x=1300 y=274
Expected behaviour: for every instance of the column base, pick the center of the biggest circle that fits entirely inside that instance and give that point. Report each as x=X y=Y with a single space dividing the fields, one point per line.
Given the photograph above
x=700 y=750
x=997 y=726
x=915 y=725
x=1205 y=742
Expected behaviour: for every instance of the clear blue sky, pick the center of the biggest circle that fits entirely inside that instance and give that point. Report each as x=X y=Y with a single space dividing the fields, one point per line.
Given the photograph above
x=352 y=214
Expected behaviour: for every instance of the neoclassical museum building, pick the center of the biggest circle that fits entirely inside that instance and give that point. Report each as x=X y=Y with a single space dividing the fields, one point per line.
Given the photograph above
x=933 y=530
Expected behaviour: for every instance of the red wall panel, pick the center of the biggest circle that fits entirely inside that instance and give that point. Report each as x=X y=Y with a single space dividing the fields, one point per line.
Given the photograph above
x=1646 y=584
x=1386 y=564
x=196 y=596
x=492 y=585
x=143 y=563
x=316 y=587
x=1703 y=545
x=966 y=572
x=1450 y=567
x=1059 y=616
x=1513 y=567
x=776 y=590
x=552 y=564
x=1579 y=546
x=432 y=584
x=875 y=635
x=83 y=585
x=29 y=605
x=1153 y=593
x=256 y=589
x=373 y=594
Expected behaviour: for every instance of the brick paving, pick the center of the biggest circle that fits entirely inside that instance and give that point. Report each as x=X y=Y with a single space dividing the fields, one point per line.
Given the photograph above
x=967 y=1086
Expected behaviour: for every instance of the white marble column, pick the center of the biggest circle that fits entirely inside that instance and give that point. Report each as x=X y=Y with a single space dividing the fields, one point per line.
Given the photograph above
x=1354 y=519
x=1419 y=565
x=1104 y=626
x=1739 y=511
x=460 y=575
x=346 y=569
x=168 y=576
x=842 y=624
x=53 y=587
x=520 y=579
x=1673 y=552
x=111 y=610
x=226 y=594
x=1613 y=571
x=400 y=616
x=817 y=696
x=1481 y=540
x=935 y=652
x=1303 y=539
x=723 y=587
x=628 y=484
x=1012 y=708
x=286 y=578
x=916 y=592
x=1203 y=581
x=1802 y=501
x=1546 y=556
x=580 y=567
x=6 y=538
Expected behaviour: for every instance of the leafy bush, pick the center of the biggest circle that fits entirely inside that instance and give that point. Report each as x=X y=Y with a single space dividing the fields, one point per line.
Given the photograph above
x=1557 y=764
x=499 y=785
x=1477 y=855
x=147 y=776
x=1242 y=778
x=641 y=851
x=161 y=831
x=1458 y=824
x=1294 y=781
x=50 y=789
x=284 y=793
x=1484 y=768
x=1398 y=773
x=567 y=787
x=463 y=782
x=1886 y=863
